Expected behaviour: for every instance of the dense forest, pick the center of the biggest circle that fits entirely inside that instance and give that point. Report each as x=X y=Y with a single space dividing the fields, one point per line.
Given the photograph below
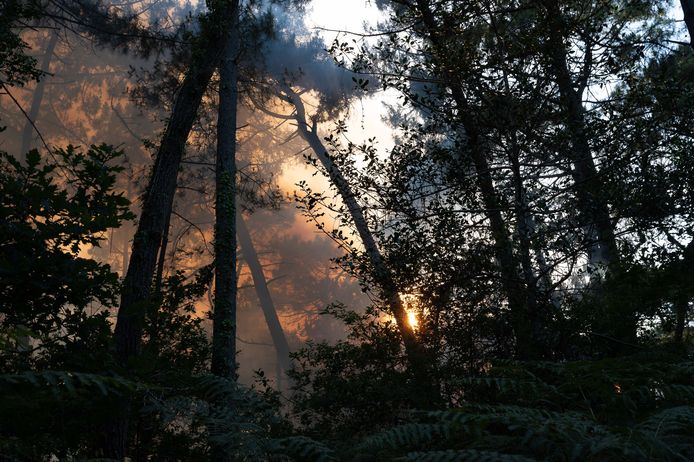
x=464 y=232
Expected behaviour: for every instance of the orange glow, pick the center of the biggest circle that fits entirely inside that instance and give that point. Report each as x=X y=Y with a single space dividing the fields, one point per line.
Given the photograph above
x=410 y=303
x=412 y=319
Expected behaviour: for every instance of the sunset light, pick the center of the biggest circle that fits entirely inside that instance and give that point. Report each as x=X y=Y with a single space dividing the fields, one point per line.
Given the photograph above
x=410 y=303
x=346 y=230
x=412 y=319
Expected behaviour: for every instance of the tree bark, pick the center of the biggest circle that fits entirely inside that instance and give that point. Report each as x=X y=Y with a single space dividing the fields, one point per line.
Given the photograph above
x=38 y=95
x=156 y=208
x=224 y=315
x=382 y=274
x=266 y=304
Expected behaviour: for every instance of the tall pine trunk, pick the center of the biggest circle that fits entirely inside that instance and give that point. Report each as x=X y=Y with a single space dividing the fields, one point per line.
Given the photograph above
x=521 y=315
x=527 y=346
x=224 y=316
x=279 y=340
x=589 y=189
x=618 y=323
x=158 y=200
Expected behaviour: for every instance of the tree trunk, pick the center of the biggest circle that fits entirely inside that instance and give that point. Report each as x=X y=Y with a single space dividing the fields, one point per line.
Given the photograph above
x=686 y=287
x=157 y=203
x=125 y=250
x=681 y=305
x=538 y=320
x=162 y=256
x=224 y=319
x=224 y=316
x=592 y=203
x=416 y=356
x=511 y=282
x=266 y=304
x=158 y=199
x=585 y=174
x=38 y=95
x=520 y=314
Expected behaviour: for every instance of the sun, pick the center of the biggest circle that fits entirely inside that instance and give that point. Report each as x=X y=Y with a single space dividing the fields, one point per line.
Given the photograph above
x=412 y=319
x=410 y=303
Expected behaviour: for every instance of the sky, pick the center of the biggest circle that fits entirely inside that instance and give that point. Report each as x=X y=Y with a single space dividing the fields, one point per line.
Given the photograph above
x=342 y=14
x=327 y=16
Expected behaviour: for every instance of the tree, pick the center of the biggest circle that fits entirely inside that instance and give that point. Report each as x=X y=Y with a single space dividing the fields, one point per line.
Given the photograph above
x=47 y=286
x=55 y=313
x=224 y=317
x=459 y=67
x=279 y=340
x=381 y=274
x=160 y=191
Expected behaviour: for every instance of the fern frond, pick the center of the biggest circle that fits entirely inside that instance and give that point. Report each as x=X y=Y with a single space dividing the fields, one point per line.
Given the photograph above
x=408 y=435
x=69 y=382
x=464 y=455
x=518 y=386
x=305 y=449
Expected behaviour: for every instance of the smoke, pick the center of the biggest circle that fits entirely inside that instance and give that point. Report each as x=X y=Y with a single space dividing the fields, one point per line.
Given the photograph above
x=298 y=57
x=87 y=100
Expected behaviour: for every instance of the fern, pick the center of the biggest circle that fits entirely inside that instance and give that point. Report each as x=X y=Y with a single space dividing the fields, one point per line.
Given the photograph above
x=70 y=382
x=408 y=435
x=626 y=409
x=466 y=455
x=301 y=448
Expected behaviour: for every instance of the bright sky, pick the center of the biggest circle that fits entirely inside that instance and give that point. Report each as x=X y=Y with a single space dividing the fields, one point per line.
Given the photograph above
x=342 y=14
x=354 y=16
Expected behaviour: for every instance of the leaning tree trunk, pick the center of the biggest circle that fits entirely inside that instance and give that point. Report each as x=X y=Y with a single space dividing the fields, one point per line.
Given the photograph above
x=224 y=316
x=157 y=203
x=158 y=199
x=38 y=95
x=279 y=340
x=383 y=277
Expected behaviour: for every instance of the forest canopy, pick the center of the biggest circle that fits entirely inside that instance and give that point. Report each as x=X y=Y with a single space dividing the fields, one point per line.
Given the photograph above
x=463 y=232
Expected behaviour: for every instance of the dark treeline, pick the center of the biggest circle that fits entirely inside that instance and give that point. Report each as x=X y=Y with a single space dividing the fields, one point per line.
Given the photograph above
x=526 y=246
